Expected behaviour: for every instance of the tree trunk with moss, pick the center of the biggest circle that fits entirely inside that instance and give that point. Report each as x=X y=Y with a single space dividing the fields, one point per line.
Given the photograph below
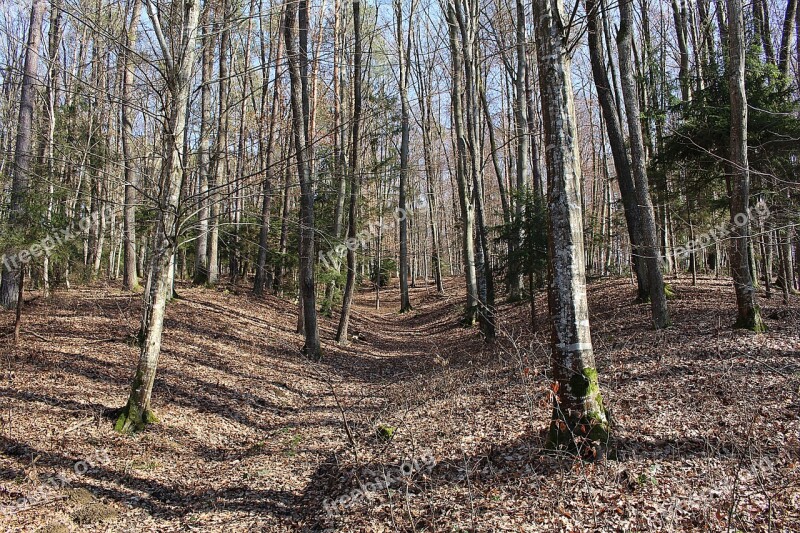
x=748 y=315
x=178 y=73
x=579 y=422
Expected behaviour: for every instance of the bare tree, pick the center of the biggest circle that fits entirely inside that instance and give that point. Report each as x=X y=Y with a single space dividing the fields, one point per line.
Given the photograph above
x=649 y=248
x=579 y=419
x=748 y=315
x=178 y=58
x=129 y=279
x=298 y=100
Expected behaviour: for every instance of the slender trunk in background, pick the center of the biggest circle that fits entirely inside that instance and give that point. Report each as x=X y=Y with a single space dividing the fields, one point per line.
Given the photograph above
x=266 y=154
x=649 y=248
x=53 y=88
x=299 y=102
x=467 y=14
x=515 y=285
x=339 y=173
x=464 y=185
x=355 y=181
x=404 y=64
x=204 y=155
x=129 y=279
x=221 y=147
x=579 y=421
x=277 y=278
x=748 y=315
x=616 y=140
x=431 y=169
x=18 y=212
x=137 y=413
x=787 y=36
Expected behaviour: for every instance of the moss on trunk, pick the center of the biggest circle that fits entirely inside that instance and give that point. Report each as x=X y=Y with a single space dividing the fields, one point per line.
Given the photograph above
x=582 y=428
x=751 y=321
x=132 y=417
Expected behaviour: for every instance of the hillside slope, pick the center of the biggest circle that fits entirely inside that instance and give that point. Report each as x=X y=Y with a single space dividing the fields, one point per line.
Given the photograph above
x=438 y=430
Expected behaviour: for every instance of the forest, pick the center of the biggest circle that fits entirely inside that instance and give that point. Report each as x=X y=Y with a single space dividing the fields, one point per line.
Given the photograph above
x=399 y=265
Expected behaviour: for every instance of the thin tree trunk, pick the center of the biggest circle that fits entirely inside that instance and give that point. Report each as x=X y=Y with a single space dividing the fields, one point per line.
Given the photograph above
x=266 y=153
x=300 y=108
x=404 y=64
x=355 y=182
x=617 y=142
x=137 y=412
x=129 y=279
x=204 y=156
x=658 y=300
x=748 y=315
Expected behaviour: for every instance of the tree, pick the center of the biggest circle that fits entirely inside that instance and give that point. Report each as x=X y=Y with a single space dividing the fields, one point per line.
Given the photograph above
x=10 y=289
x=298 y=99
x=178 y=60
x=404 y=67
x=649 y=248
x=129 y=280
x=355 y=179
x=748 y=315
x=616 y=140
x=579 y=421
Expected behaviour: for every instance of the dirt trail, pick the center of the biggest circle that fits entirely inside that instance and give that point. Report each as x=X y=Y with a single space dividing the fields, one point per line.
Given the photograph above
x=252 y=437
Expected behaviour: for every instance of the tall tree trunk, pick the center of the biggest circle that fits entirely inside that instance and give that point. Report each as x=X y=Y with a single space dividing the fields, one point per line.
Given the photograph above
x=404 y=64
x=300 y=108
x=355 y=181
x=650 y=249
x=579 y=421
x=464 y=185
x=432 y=169
x=616 y=140
x=23 y=154
x=53 y=90
x=204 y=155
x=178 y=73
x=129 y=279
x=221 y=147
x=523 y=159
x=339 y=173
x=748 y=315
x=266 y=153
x=787 y=36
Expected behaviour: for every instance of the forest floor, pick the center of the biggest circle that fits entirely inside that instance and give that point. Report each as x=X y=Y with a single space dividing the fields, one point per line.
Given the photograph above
x=252 y=437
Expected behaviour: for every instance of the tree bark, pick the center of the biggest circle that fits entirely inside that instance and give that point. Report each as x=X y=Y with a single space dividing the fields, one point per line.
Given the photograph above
x=579 y=421
x=129 y=279
x=298 y=100
x=204 y=156
x=748 y=314
x=266 y=153
x=649 y=248
x=355 y=181
x=616 y=140
x=23 y=155
x=137 y=413
x=404 y=64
